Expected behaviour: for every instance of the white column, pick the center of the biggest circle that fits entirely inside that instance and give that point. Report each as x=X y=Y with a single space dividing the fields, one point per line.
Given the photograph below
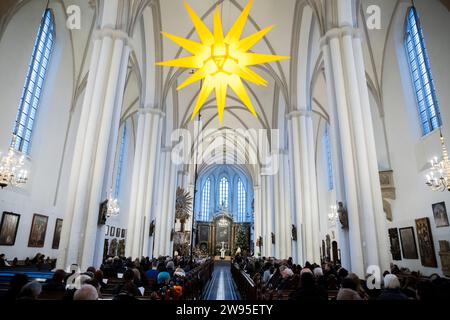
x=68 y=249
x=356 y=254
x=305 y=179
x=257 y=217
x=278 y=213
x=366 y=200
x=158 y=236
x=294 y=148
x=345 y=66
x=268 y=217
x=101 y=152
x=336 y=152
x=286 y=194
x=135 y=184
x=136 y=231
x=313 y=189
x=155 y=116
x=162 y=224
x=143 y=177
x=80 y=231
x=383 y=246
x=170 y=218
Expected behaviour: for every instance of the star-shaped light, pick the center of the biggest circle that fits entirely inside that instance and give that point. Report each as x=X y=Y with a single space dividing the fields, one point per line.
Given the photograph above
x=222 y=61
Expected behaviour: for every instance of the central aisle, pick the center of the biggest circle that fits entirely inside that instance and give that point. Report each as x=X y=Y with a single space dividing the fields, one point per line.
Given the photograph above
x=221 y=286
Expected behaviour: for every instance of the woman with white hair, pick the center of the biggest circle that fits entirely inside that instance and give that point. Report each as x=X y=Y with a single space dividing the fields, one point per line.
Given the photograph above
x=86 y=292
x=392 y=289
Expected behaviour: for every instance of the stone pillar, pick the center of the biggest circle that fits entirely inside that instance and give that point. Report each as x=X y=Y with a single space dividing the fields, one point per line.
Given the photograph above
x=279 y=199
x=143 y=182
x=79 y=235
x=257 y=217
x=302 y=142
x=268 y=215
x=351 y=114
x=286 y=194
x=294 y=147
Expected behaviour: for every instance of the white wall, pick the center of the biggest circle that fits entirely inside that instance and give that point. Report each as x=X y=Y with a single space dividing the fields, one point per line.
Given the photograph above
x=51 y=123
x=408 y=150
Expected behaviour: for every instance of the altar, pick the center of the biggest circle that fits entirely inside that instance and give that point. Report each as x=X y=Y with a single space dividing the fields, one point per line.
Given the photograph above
x=220 y=236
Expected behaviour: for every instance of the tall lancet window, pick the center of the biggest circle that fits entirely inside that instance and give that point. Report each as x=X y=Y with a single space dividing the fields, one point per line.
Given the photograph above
x=119 y=172
x=241 y=201
x=34 y=83
x=328 y=157
x=223 y=192
x=206 y=198
x=419 y=63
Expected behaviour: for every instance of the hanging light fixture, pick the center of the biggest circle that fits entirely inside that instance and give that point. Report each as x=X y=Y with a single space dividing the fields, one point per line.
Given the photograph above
x=11 y=168
x=221 y=60
x=438 y=179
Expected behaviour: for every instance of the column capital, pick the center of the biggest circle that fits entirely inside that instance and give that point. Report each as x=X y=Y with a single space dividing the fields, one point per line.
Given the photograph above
x=299 y=113
x=340 y=32
x=112 y=33
x=151 y=110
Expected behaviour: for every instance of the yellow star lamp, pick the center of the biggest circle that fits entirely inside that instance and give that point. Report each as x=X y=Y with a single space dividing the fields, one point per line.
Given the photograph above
x=222 y=61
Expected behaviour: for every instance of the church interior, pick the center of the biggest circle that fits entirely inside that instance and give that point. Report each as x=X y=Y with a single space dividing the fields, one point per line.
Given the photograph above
x=224 y=149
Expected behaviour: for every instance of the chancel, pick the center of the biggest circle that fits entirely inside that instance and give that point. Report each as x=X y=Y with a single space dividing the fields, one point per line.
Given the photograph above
x=224 y=150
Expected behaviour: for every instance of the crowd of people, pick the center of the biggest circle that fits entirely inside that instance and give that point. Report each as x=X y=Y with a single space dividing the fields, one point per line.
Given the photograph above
x=164 y=278
x=40 y=261
x=316 y=282
x=175 y=278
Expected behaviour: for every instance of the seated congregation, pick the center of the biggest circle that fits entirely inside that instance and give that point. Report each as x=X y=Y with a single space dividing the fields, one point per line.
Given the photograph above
x=272 y=279
x=117 y=278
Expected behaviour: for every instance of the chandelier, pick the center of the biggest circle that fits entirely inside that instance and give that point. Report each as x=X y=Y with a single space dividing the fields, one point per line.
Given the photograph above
x=112 y=206
x=333 y=214
x=11 y=171
x=439 y=177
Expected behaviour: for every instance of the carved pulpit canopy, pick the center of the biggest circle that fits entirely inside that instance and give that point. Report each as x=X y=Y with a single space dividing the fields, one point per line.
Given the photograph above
x=387 y=191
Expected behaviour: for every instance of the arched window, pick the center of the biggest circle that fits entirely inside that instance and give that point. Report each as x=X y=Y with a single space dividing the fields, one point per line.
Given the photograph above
x=223 y=192
x=241 y=194
x=34 y=83
x=206 y=196
x=419 y=63
x=328 y=157
x=121 y=159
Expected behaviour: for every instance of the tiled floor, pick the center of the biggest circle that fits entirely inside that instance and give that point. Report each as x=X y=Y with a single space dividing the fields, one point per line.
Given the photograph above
x=221 y=285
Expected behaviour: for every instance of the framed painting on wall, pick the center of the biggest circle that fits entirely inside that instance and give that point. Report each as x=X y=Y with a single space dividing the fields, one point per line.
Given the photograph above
x=440 y=215
x=123 y=233
x=38 y=231
x=426 y=245
x=118 y=232
x=112 y=231
x=57 y=233
x=8 y=228
x=408 y=240
x=106 y=230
